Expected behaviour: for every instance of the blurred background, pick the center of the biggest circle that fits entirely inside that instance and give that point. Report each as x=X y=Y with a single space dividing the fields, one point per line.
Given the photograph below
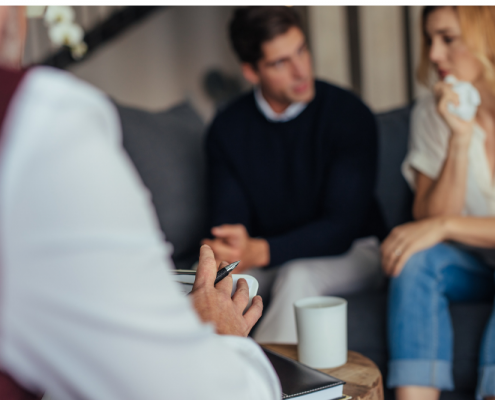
x=155 y=57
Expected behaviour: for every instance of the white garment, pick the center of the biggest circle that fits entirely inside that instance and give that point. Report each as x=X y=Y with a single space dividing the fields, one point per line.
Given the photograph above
x=428 y=147
x=289 y=113
x=357 y=270
x=88 y=308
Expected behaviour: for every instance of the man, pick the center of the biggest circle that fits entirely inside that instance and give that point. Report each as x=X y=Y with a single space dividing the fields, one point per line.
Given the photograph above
x=88 y=309
x=292 y=169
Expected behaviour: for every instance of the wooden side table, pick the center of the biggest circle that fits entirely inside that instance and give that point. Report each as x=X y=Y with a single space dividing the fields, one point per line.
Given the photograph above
x=362 y=376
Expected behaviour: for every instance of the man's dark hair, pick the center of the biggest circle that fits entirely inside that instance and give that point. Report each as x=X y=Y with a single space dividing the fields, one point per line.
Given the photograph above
x=252 y=26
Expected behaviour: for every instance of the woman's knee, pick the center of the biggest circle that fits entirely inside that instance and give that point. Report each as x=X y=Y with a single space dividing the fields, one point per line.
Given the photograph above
x=429 y=261
x=421 y=266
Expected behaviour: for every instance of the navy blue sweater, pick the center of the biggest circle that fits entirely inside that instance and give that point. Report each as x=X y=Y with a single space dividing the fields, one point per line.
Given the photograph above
x=305 y=185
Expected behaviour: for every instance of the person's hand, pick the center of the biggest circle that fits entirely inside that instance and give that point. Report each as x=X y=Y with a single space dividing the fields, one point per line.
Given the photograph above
x=444 y=94
x=233 y=243
x=407 y=239
x=214 y=304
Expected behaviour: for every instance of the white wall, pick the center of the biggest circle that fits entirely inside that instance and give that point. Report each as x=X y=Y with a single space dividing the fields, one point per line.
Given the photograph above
x=415 y=13
x=328 y=34
x=383 y=57
x=162 y=60
x=383 y=60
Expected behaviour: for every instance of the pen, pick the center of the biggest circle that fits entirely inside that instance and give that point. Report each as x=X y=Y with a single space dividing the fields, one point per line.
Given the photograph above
x=223 y=272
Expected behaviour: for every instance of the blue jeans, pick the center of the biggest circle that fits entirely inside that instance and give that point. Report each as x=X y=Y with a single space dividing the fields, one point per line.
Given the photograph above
x=420 y=329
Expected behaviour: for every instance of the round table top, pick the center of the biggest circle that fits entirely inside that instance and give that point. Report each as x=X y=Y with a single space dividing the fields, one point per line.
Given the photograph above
x=362 y=376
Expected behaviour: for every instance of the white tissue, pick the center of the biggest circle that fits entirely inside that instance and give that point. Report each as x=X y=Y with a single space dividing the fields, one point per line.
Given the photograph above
x=469 y=98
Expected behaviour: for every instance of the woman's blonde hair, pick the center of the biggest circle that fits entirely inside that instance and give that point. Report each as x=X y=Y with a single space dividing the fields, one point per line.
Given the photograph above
x=478 y=32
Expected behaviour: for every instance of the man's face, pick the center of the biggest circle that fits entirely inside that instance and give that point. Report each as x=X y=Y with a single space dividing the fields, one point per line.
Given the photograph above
x=285 y=73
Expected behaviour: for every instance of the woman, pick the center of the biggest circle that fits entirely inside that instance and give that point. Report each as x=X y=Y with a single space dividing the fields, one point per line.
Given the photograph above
x=446 y=254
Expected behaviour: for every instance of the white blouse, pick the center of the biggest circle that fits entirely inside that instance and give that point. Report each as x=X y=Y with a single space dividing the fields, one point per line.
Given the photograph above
x=88 y=309
x=428 y=146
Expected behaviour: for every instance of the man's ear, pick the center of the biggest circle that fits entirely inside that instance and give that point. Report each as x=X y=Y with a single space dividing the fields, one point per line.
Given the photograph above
x=250 y=74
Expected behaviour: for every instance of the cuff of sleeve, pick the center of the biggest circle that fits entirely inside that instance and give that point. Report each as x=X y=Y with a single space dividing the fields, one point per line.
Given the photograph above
x=416 y=161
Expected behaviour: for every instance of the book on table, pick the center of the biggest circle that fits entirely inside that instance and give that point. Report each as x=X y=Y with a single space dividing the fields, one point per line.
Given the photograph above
x=302 y=382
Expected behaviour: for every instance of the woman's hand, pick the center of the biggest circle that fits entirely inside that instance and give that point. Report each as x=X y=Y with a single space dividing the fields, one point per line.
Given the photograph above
x=444 y=94
x=407 y=239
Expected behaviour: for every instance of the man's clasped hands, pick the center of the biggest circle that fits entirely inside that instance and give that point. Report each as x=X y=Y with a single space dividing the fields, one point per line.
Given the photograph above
x=232 y=243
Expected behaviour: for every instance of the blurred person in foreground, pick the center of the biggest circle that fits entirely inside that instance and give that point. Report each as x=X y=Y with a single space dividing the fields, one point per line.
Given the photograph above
x=448 y=254
x=292 y=168
x=88 y=309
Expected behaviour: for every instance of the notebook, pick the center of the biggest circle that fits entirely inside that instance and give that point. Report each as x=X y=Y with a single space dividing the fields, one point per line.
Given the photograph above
x=302 y=382
x=187 y=277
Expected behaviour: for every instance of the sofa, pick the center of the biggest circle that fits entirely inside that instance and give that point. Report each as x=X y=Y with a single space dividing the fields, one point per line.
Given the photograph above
x=166 y=148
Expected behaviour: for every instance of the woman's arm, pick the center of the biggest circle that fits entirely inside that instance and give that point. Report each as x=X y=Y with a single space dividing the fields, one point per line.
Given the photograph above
x=407 y=239
x=474 y=231
x=445 y=196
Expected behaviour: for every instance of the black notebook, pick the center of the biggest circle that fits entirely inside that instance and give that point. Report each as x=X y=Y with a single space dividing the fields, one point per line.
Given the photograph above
x=302 y=382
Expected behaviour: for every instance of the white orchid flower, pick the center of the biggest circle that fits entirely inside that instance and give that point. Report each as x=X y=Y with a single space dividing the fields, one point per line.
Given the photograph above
x=66 y=33
x=62 y=29
x=59 y=14
x=79 y=50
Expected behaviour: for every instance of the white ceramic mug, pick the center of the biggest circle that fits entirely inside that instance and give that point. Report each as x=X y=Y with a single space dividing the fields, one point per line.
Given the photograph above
x=322 y=331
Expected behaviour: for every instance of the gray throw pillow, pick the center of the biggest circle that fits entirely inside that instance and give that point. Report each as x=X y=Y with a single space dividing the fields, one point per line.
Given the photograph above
x=166 y=148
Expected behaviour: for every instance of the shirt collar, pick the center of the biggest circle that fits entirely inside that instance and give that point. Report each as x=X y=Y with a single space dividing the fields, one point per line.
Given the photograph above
x=290 y=112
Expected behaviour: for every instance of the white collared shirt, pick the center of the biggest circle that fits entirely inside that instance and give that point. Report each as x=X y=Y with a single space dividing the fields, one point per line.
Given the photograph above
x=88 y=308
x=428 y=147
x=290 y=112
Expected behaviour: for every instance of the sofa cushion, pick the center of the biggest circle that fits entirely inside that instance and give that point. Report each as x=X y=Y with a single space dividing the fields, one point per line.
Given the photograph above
x=469 y=321
x=367 y=326
x=392 y=191
x=166 y=148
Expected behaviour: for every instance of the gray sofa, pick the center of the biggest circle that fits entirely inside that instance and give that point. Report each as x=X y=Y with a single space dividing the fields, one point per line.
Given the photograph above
x=166 y=149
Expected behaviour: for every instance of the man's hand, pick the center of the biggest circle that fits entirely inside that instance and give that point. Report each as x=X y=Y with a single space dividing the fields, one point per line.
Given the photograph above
x=214 y=304
x=233 y=243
